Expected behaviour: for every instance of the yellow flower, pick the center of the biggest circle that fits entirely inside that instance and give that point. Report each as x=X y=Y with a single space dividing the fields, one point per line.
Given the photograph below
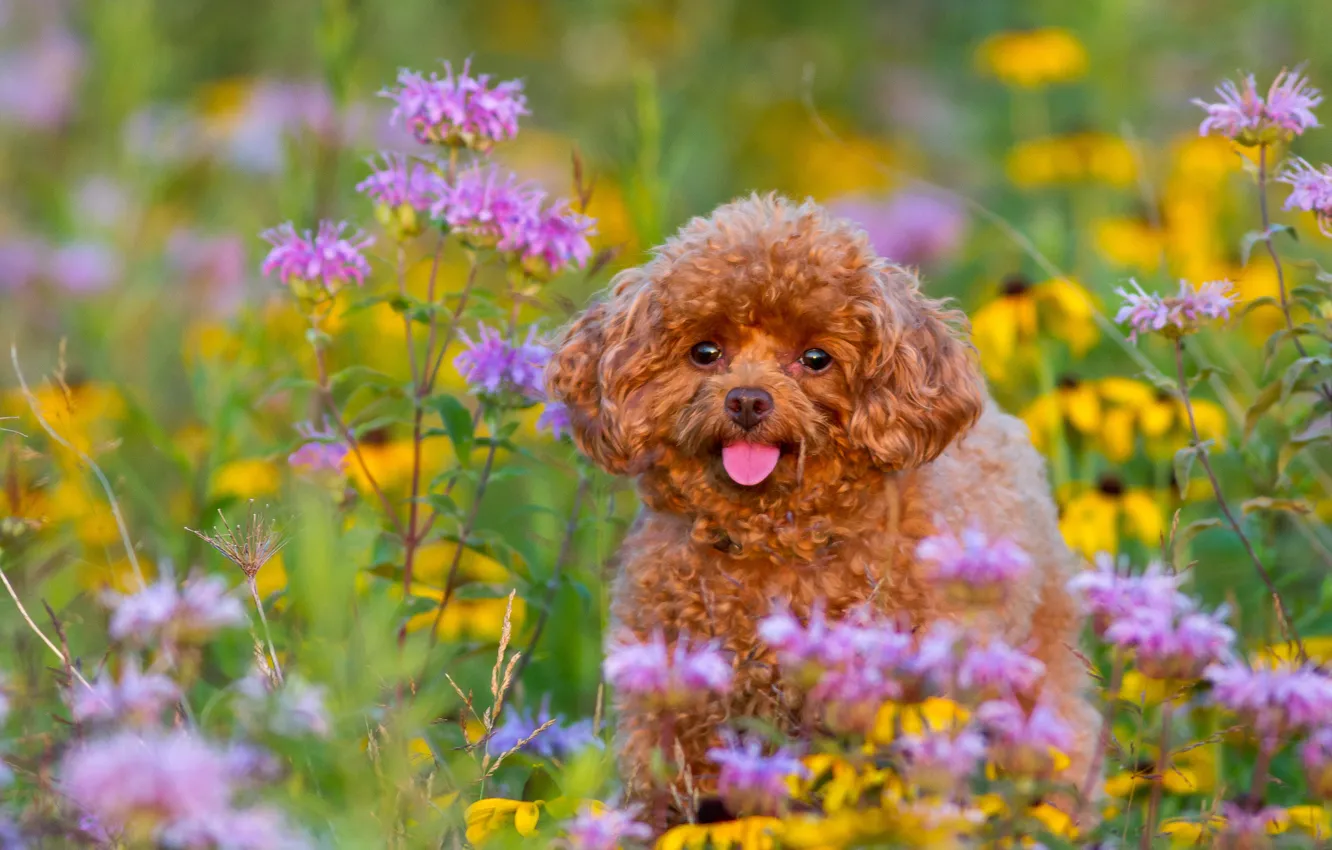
x=1312 y=819
x=82 y=413
x=246 y=479
x=1055 y=820
x=935 y=714
x=1071 y=159
x=1160 y=418
x=1192 y=771
x=752 y=833
x=1319 y=649
x=1006 y=329
x=88 y=511
x=1131 y=242
x=1190 y=833
x=1094 y=520
x=487 y=817
x=475 y=619
x=433 y=561
x=1073 y=403
x=1033 y=58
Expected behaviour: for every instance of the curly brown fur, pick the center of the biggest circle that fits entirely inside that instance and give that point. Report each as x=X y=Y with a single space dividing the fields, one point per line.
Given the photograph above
x=871 y=454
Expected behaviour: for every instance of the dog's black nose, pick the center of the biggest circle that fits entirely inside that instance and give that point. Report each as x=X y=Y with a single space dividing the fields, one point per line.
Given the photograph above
x=748 y=406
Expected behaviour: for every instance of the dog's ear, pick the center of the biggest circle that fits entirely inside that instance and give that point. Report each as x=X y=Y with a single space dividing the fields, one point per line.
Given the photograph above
x=919 y=387
x=594 y=359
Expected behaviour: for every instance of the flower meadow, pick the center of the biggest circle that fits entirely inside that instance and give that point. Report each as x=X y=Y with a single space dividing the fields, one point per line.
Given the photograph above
x=297 y=553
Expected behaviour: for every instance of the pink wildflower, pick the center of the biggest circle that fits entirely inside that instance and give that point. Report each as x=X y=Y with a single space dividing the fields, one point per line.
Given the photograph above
x=750 y=782
x=1172 y=644
x=1274 y=702
x=1316 y=754
x=1250 y=119
x=136 y=698
x=1311 y=191
x=1175 y=315
x=938 y=762
x=971 y=566
x=459 y=109
x=605 y=829
x=1024 y=744
x=652 y=672
x=312 y=264
x=493 y=366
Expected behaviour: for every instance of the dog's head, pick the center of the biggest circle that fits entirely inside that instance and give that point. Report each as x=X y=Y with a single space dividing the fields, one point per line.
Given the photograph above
x=767 y=330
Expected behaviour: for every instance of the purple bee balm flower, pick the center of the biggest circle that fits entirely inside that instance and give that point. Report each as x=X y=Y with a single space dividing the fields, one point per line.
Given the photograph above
x=910 y=228
x=1175 y=315
x=973 y=567
x=598 y=828
x=256 y=828
x=139 y=617
x=39 y=83
x=1311 y=192
x=1274 y=702
x=1316 y=754
x=152 y=781
x=1246 y=826
x=1250 y=119
x=996 y=670
x=750 y=782
x=492 y=208
x=559 y=741
x=206 y=606
x=459 y=110
x=554 y=419
x=315 y=263
x=294 y=708
x=1024 y=744
x=83 y=268
x=161 y=612
x=652 y=672
x=216 y=264
x=137 y=699
x=1108 y=595
x=323 y=456
x=11 y=837
x=22 y=259
x=938 y=762
x=494 y=367
x=557 y=239
x=402 y=188
x=1172 y=644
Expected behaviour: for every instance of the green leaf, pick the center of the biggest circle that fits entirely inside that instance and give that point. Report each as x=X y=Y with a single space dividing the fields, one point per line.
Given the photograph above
x=1275 y=340
x=1310 y=295
x=1260 y=301
x=457 y=422
x=1261 y=405
x=1184 y=459
x=1192 y=530
x=1267 y=503
x=342 y=384
x=1293 y=448
x=1253 y=237
x=1295 y=372
x=444 y=503
x=1204 y=374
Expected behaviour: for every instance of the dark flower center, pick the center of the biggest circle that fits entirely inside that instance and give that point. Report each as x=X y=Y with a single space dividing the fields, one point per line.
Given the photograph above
x=1014 y=285
x=1110 y=485
x=1068 y=381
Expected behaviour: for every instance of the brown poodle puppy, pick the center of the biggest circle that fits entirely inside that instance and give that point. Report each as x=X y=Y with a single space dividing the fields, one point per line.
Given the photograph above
x=793 y=408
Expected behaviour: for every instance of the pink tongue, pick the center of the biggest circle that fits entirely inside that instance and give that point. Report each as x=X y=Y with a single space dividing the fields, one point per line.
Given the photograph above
x=750 y=463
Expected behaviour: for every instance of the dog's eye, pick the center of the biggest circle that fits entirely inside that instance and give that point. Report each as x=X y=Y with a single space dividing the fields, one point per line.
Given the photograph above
x=816 y=360
x=704 y=353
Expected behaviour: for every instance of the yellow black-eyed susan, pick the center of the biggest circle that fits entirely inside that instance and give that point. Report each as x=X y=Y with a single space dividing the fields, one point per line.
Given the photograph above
x=1033 y=58
x=1088 y=157
x=1006 y=329
x=1097 y=518
x=1073 y=406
